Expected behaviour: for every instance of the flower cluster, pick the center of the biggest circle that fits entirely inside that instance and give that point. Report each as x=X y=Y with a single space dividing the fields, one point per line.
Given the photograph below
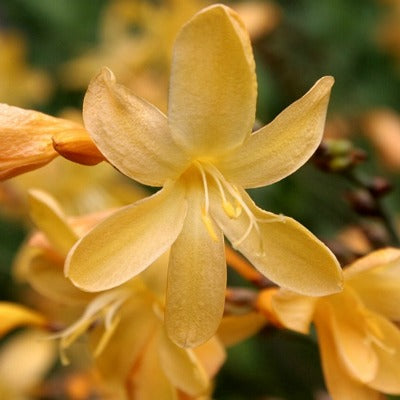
x=145 y=284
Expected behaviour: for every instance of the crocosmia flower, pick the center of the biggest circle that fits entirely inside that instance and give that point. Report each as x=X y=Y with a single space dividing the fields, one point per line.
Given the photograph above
x=203 y=154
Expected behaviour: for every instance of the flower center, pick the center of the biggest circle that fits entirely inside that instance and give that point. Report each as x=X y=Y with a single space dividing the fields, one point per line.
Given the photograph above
x=232 y=204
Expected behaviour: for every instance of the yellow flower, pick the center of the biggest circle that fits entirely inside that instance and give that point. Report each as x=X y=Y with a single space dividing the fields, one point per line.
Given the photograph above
x=124 y=325
x=202 y=155
x=360 y=346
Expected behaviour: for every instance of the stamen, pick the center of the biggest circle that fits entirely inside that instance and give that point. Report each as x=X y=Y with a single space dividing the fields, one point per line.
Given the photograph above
x=204 y=179
x=205 y=211
x=105 y=338
x=232 y=211
x=229 y=209
x=104 y=306
x=209 y=225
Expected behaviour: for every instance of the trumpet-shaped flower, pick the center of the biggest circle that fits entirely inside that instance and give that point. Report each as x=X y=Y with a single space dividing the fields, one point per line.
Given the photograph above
x=203 y=154
x=359 y=343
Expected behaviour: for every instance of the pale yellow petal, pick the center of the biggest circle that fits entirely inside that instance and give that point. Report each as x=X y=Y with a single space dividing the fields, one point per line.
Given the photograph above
x=376 y=279
x=284 y=145
x=213 y=85
x=155 y=276
x=25 y=359
x=128 y=343
x=236 y=328
x=131 y=133
x=126 y=243
x=47 y=278
x=387 y=348
x=48 y=217
x=211 y=355
x=283 y=250
x=380 y=290
x=340 y=384
x=293 y=311
x=196 y=279
x=369 y=262
x=147 y=380
x=350 y=334
x=182 y=367
x=14 y=315
x=34 y=246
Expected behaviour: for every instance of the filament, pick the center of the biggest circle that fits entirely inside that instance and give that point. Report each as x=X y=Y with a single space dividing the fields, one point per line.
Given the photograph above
x=104 y=306
x=233 y=212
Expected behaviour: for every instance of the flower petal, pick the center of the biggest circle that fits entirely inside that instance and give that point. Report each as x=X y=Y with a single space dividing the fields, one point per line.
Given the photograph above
x=47 y=278
x=387 y=378
x=196 y=279
x=26 y=139
x=131 y=133
x=283 y=250
x=182 y=367
x=371 y=261
x=77 y=146
x=292 y=310
x=284 y=145
x=376 y=279
x=25 y=359
x=211 y=355
x=14 y=315
x=350 y=334
x=340 y=384
x=213 y=86
x=50 y=219
x=137 y=325
x=155 y=276
x=126 y=243
x=236 y=328
x=147 y=380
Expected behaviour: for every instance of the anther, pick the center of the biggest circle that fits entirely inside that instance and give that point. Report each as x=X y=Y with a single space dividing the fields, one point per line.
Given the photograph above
x=230 y=211
x=209 y=225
